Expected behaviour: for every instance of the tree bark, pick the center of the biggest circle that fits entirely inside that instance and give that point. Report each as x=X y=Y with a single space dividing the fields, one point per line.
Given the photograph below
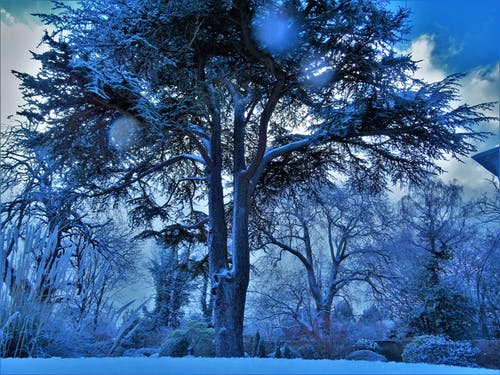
x=230 y=284
x=322 y=326
x=230 y=274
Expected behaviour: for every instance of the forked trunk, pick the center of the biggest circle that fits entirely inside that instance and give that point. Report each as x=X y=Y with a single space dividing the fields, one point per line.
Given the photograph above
x=230 y=274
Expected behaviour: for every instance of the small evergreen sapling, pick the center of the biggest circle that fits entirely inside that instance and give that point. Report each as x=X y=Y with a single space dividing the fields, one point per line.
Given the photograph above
x=256 y=344
x=277 y=351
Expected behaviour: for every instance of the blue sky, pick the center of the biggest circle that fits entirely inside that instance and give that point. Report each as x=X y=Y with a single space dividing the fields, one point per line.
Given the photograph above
x=448 y=36
x=466 y=32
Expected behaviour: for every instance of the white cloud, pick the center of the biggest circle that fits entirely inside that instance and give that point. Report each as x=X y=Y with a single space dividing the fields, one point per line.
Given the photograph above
x=6 y=16
x=479 y=86
x=482 y=85
x=17 y=39
x=421 y=49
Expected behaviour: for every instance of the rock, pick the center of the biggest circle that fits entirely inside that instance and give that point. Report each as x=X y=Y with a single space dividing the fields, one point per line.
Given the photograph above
x=366 y=355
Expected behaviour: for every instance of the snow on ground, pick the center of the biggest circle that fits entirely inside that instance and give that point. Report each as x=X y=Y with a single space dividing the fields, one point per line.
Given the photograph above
x=219 y=366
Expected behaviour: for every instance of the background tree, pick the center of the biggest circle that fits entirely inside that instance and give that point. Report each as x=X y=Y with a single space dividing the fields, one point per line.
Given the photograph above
x=477 y=262
x=147 y=92
x=80 y=261
x=335 y=233
x=438 y=230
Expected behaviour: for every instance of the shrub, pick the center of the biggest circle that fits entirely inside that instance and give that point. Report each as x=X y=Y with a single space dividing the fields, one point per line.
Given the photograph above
x=488 y=353
x=440 y=350
x=196 y=339
x=259 y=347
x=367 y=344
x=256 y=343
x=287 y=353
x=28 y=294
x=366 y=355
x=202 y=339
x=147 y=334
x=445 y=311
x=176 y=346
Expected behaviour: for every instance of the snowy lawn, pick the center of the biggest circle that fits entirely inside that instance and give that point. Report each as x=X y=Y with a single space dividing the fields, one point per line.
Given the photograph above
x=219 y=366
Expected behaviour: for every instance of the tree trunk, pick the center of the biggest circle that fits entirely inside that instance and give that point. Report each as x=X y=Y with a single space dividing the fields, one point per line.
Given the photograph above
x=229 y=284
x=323 y=322
x=229 y=308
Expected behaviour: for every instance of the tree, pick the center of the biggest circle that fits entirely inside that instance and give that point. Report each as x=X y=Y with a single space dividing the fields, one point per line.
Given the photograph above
x=174 y=271
x=335 y=233
x=70 y=266
x=479 y=261
x=191 y=95
x=438 y=230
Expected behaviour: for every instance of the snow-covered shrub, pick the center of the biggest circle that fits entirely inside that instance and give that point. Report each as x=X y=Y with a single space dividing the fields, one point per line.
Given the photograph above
x=176 y=346
x=259 y=347
x=277 y=350
x=367 y=344
x=445 y=311
x=488 y=353
x=440 y=350
x=147 y=334
x=200 y=341
x=141 y=352
x=31 y=296
x=308 y=351
x=287 y=352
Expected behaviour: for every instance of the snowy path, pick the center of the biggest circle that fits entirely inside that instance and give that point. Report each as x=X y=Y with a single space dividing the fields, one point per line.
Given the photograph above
x=221 y=366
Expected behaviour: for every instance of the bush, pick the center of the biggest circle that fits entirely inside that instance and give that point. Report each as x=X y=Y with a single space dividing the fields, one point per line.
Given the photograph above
x=277 y=350
x=202 y=339
x=488 y=353
x=439 y=350
x=367 y=344
x=196 y=339
x=287 y=353
x=147 y=334
x=177 y=346
x=445 y=311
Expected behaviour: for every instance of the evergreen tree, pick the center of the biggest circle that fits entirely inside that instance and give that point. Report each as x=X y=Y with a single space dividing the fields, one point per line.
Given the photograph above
x=138 y=95
x=256 y=344
x=437 y=225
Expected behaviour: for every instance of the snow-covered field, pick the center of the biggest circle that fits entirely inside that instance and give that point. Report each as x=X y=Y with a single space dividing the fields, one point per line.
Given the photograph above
x=219 y=366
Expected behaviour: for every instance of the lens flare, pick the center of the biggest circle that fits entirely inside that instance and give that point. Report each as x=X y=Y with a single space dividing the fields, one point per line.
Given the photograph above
x=275 y=31
x=123 y=133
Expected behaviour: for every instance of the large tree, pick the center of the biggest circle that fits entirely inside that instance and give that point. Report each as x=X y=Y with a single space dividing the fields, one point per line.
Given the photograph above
x=203 y=98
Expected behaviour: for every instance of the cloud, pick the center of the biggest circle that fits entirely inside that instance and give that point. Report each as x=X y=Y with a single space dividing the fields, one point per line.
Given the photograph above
x=17 y=39
x=422 y=49
x=482 y=85
x=6 y=17
x=478 y=86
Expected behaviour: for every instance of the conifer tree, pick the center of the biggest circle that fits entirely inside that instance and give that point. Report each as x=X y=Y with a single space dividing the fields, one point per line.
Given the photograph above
x=137 y=97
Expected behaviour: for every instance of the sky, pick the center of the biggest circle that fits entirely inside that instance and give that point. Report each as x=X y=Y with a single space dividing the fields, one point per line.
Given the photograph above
x=447 y=36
